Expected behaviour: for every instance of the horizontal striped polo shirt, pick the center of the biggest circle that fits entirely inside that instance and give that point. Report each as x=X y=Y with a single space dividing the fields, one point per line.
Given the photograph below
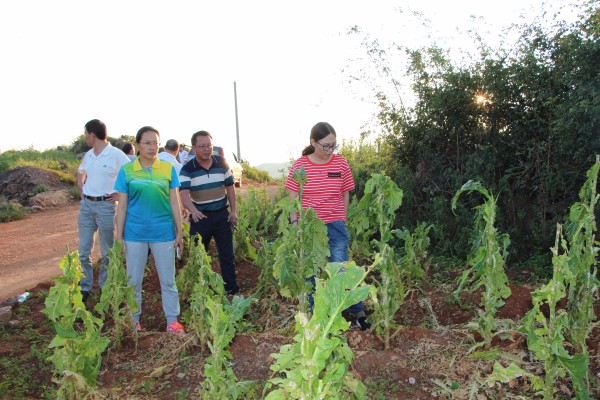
x=325 y=186
x=207 y=186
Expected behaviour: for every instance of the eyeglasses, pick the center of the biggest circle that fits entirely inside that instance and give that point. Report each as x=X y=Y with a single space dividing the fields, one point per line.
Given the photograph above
x=148 y=144
x=328 y=147
x=204 y=146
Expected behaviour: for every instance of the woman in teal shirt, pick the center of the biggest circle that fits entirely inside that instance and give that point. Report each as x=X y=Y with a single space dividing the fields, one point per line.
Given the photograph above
x=148 y=218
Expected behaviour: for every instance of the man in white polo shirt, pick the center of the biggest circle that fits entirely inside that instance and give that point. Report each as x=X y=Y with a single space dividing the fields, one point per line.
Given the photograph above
x=96 y=178
x=170 y=154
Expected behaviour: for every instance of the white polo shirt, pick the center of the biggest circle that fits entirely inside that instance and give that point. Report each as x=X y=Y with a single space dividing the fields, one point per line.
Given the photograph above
x=102 y=170
x=165 y=156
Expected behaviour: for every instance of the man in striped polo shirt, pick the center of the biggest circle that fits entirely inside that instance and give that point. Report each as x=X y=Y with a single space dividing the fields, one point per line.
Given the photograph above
x=207 y=189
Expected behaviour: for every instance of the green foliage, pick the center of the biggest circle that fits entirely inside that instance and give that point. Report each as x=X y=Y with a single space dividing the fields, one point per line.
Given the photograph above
x=365 y=157
x=206 y=284
x=414 y=259
x=212 y=320
x=255 y=174
x=304 y=249
x=55 y=160
x=546 y=332
x=373 y=216
x=574 y=278
x=581 y=281
x=80 y=146
x=487 y=260
x=77 y=353
x=512 y=372
x=266 y=284
x=396 y=278
x=522 y=119
x=117 y=297
x=390 y=291
x=40 y=189
x=255 y=218
x=189 y=275
x=17 y=380
x=11 y=212
x=220 y=381
x=316 y=365
x=368 y=219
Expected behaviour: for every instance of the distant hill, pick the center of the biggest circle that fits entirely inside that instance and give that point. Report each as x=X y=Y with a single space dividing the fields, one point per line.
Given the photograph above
x=275 y=170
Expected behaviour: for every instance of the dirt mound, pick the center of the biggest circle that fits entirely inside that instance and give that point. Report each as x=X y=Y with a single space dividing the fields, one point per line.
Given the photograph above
x=32 y=186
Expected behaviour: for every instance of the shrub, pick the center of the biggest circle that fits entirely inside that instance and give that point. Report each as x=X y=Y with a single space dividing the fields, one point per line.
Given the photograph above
x=255 y=174
x=11 y=212
x=40 y=189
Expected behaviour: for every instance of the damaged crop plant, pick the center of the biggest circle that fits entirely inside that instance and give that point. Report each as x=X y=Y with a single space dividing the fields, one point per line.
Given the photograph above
x=475 y=192
x=317 y=363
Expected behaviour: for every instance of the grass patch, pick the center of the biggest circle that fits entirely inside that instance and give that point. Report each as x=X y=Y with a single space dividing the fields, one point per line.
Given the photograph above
x=61 y=161
x=11 y=212
x=20 y=369
x=255 y=174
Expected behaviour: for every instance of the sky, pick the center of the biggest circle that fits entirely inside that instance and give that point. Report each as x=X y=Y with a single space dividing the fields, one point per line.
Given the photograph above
x=173 y=64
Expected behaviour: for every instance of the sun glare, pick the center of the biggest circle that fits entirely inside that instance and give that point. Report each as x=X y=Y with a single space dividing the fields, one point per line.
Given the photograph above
x=481 y=99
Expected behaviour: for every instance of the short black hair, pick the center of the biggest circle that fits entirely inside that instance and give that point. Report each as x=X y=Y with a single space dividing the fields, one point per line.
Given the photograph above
x=127 y=147
x=200 y=133
x=171 y=145
x=96 y=127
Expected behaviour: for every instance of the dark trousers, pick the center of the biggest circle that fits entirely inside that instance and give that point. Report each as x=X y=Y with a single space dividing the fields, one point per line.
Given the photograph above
x=216 y=226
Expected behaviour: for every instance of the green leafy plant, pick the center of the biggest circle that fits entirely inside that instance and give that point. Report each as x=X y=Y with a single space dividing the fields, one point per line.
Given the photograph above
x=316 y=365
x=212 y=320
x=206 y=284
x=118 y=298
x=220 y=381
x=487 y=260
x=266 y=284
x=545 y=333
x=581 y=280
x=390 y=292
x=371 y=218
x=77 y=353
x=188 y=275
x=245 y=233
x=414 y=259
x=511 y=373
x=40 y=189
x=304 y=248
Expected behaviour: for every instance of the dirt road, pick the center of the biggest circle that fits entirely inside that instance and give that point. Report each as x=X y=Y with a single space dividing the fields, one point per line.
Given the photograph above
x=31 y=249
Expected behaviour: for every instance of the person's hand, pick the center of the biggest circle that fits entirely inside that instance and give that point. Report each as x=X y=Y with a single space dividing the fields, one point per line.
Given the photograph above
x=232 y=219
x=178 y=245
x=184 y=213
x=120 y=240
x=197 y=215
x=111 y=198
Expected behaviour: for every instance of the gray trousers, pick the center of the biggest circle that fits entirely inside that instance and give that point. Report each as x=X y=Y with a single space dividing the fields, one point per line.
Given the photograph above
x=136 y=254
x=95 y=216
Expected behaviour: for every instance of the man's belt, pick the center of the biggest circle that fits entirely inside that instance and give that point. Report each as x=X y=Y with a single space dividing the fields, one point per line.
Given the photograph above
x=213 y=211
x=99 y=198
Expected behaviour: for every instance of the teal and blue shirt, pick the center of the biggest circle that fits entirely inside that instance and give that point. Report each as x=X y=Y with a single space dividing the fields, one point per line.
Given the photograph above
x=149 y=215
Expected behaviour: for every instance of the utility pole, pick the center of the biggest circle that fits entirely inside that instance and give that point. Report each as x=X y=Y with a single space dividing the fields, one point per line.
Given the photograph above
x=237 y=125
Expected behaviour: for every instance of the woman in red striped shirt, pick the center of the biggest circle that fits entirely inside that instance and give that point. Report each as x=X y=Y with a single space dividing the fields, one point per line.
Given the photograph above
x=327 y=191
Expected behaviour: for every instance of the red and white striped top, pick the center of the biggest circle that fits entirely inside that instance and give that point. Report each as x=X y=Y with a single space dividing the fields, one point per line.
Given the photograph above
x=325 y=186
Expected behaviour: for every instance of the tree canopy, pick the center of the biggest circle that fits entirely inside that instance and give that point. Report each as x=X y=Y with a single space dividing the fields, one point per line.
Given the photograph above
x=524 y=121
